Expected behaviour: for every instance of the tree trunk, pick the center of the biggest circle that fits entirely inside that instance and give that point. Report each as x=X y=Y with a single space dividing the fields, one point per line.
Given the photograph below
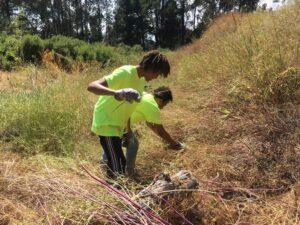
x=182 y=13
x=7 y=9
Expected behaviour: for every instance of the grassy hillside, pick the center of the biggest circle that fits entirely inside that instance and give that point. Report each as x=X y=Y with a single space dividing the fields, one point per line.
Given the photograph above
x=236 y=107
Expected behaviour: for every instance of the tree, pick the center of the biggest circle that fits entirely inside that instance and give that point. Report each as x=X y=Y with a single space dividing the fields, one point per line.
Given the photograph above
x=7 y=9
x=209 y=9
x=247 y=5
x=132 y=23
x=95 y=21
x=182 y=12
x=170 y=25
x=155 y=23
x=167 y=23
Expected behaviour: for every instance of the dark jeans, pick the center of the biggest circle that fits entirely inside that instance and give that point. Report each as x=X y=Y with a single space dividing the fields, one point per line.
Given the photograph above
x=132 y=146
x=116 y=161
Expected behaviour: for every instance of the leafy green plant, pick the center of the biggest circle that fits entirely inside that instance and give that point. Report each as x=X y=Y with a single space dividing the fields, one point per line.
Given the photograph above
x=104 y=53
x=32 y=48
x=86 y=52
x=137 y=48
x=9 y=52
x=63 y=45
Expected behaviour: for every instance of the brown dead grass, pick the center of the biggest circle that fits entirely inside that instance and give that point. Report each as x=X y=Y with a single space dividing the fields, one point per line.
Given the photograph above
x=245 y=155
x=37 y=190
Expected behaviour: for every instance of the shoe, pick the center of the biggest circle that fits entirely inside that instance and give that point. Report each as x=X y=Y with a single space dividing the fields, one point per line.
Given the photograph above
x=103 y=165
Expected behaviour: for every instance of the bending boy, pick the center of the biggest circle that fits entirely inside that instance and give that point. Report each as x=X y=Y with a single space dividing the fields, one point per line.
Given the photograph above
x=148 y=109
x=119 y=93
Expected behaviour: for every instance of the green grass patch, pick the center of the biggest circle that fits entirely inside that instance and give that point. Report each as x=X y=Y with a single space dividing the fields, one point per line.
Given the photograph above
x=47 y=119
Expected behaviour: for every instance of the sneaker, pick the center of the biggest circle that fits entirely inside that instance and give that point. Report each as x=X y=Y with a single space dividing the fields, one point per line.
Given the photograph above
x=103 y=165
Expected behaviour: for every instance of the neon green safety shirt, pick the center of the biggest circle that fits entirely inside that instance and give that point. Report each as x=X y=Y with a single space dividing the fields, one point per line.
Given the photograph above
x=111 y=116
x=146 y=110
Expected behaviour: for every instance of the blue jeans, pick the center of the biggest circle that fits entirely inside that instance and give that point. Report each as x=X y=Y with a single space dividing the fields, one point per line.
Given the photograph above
x=132 y=146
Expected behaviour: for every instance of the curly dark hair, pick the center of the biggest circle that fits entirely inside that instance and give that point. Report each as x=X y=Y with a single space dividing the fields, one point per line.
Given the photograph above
x=155 y=61
x=163 y=93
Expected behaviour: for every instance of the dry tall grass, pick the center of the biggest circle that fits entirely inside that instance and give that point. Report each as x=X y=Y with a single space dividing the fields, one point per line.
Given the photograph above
x=247 y=130
x=236 y=107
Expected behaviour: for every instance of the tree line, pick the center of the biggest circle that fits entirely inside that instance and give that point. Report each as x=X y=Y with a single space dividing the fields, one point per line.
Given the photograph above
x=149 y=23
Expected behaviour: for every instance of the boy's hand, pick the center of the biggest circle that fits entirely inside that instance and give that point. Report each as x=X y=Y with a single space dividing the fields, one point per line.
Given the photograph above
x=127 y=94
x=126 y=138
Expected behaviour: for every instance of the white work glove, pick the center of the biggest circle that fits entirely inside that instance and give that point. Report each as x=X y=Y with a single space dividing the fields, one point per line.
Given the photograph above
x=127 y=94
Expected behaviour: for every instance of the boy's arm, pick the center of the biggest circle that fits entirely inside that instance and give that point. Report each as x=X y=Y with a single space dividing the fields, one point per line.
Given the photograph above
x=100 y=87
x=161 y=132
x=128 y=127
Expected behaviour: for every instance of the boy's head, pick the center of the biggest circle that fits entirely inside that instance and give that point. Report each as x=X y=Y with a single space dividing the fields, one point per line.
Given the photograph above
x=163 y=95
x=154 y=64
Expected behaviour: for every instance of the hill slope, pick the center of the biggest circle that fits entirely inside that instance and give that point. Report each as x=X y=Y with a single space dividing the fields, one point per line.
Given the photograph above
x=236 y=106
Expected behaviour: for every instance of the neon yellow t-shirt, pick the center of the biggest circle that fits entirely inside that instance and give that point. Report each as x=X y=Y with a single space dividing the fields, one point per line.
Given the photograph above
x=146 y=110
x=111 y=116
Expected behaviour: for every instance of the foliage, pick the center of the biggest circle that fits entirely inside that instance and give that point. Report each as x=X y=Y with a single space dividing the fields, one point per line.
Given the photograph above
x=137 y=49
x=76 y=49
x=104 y=53
x=171 y=22
x=63 y=45
x=9 y=52
x=32 y=48
x=86 y=52
x=66 y=51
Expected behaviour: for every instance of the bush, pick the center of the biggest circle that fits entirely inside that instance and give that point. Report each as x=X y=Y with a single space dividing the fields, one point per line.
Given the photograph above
x=86 y=52
x=65 y=49
x=63 y=45
x=137 y=49
x=9 y=52
x=124 y=49
x=72 y=48
x=32 y=48
x=104 y=53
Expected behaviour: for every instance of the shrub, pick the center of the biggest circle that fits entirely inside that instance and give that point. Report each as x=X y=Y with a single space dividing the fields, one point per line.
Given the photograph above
x=137 y=49
x=32 y=48
x=65 y=51
x=104 y=53
x=124 y=49
x=63 y=45
x=9 y=52
x=86 y=52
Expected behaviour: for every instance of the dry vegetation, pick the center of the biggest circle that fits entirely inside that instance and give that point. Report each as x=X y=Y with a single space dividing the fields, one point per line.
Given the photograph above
x=236 y=107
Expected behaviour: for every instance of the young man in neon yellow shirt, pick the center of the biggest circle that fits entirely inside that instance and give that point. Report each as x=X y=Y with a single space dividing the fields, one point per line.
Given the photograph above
x=119 y=93
x=148 y=109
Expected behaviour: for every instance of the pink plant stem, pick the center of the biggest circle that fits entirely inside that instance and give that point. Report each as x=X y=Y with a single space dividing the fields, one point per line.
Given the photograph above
x=138 y=206
x=125 y=215
x=104 y=217
x=45 y=210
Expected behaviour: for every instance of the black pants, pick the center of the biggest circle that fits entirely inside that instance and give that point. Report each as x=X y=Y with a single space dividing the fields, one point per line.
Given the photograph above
x=116 y=161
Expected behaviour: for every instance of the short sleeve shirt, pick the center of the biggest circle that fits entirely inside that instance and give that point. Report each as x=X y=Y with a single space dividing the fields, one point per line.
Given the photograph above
x=146 y=110
x=111 y=116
